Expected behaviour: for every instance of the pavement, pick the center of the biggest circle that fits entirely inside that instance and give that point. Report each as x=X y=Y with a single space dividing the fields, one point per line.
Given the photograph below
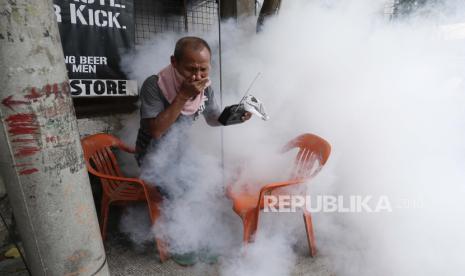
x=13 y=267
x=126 y=260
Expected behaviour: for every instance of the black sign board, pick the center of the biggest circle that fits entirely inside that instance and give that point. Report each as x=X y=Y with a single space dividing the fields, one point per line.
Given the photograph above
x=94 y=34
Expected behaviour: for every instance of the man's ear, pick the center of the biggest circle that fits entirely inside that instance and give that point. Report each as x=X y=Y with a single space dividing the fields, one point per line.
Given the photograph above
x=173 y=62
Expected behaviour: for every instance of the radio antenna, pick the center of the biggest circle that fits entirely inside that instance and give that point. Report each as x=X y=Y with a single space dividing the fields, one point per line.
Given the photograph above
x=250 y=86
x=247 y=91
x=221 y=87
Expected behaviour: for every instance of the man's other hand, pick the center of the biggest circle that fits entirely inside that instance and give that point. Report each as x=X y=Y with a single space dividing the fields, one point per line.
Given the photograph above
x=247 y=115
x=190 y=88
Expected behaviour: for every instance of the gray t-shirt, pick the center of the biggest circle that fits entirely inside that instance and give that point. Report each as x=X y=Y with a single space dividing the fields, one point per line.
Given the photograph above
x=153 y=102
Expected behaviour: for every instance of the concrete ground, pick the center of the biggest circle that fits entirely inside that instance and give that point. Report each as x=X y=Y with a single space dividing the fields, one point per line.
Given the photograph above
x=125 y=260
x=13 y=267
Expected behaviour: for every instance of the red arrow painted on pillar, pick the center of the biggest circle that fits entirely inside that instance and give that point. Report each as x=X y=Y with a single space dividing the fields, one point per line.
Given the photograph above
x=33 y=94
x=9 y=102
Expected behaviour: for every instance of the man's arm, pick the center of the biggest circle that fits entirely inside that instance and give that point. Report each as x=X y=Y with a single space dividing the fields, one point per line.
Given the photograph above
x=212 y=110
x=163 y=121
x=160 y=124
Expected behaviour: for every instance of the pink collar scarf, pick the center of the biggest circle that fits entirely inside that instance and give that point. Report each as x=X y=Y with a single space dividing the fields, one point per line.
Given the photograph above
x=169 y=81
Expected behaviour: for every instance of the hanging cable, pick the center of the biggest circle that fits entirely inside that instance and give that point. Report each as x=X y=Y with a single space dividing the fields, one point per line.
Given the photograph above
x=219 y=53
x=221 y=86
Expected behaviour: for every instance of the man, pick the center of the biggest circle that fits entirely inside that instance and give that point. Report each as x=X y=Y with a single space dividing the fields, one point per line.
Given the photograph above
x=179 y=93
x=170 y=102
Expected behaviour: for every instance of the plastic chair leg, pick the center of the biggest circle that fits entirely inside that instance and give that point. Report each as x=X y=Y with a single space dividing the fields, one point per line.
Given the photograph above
x=104 y=208
x=162 y=251
x=154 y=211
x=249 y=221
x=310 y=234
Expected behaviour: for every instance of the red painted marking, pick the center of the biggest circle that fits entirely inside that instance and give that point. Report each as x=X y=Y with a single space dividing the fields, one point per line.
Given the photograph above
x=26 y=151
x=55 y=88
x=23 y=140
x=9 y=102
x=64 y=89
x=22 y=123
x=28 y=171
x=21 y=117
x=52 y=139
x=33 y=95
x=22 y=130
x=48 y=89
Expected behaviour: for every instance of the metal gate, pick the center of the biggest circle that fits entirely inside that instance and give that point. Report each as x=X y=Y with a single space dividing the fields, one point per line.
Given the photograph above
x=158 y=16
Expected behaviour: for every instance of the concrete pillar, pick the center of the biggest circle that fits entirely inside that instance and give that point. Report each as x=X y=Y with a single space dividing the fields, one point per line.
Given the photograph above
x=41 y=157
x=2 y=187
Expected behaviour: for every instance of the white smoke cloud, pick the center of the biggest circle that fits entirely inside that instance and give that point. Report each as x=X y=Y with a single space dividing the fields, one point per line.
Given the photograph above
x=195 y=214
x=270 y=254
x=388 y=96
x=135 y=222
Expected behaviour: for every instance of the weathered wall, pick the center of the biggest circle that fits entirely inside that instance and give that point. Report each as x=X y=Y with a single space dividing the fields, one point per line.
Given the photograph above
x=107 y=124
x=245 y=8
x=237 y=9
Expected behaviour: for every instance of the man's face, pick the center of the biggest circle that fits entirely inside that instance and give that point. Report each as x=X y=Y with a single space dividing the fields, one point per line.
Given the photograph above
x=193 y=64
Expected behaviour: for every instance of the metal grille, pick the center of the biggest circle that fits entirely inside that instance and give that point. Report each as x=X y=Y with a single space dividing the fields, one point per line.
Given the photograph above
x=158 y=16
x=389 y=7
x=407 y=7
x=202 y=16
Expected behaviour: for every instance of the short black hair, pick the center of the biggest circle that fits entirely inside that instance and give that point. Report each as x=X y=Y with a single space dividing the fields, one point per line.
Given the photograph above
x=191 y=42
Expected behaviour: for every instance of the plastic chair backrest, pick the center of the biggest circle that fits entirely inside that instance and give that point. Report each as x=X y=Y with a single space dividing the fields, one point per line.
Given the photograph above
x=99 y=156
x=311 y=148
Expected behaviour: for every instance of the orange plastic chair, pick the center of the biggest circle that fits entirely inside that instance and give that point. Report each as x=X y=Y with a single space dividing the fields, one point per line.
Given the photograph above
x=101 y=162
x=248 y=204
